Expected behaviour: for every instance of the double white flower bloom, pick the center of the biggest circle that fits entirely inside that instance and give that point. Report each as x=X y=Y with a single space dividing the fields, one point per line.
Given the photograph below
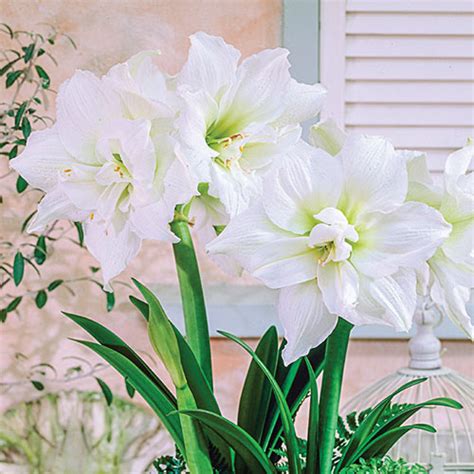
x=449 y=274
x=335 y=235
x=108 y=162
x=238 y=118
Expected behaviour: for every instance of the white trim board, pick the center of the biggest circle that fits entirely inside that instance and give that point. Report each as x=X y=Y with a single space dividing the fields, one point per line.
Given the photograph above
x=248 y=311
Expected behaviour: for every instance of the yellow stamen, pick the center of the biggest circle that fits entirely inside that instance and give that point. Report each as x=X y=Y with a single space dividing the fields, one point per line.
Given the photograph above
x=91 y=215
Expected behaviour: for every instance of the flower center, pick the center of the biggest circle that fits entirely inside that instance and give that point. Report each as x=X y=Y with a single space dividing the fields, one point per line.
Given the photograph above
x=230 y=149
x=332 y=236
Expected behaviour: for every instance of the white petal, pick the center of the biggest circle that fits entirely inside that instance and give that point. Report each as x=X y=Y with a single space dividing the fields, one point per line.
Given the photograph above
x=131 y=140
x=375 y=176
x=390 y=301
x=459 y=274
x=114 y=251
x=84 y=103
x=328 y=136
x=42 y=160
x=262 y=83
x=452 y=298
x=84 y=194
x=152 y=222
x=303 y=102
x=308 y=181
x=211 y=64
x=273 y=255
x=406 y=237
x=267 y=146
x=339 y=285
x=235 y=188
x=199 y=112
x=305 y=319
x=458 y=163
x=420 y=183
x=179 y=185
x=458 y=203
x=459 y=246
x=55 y=205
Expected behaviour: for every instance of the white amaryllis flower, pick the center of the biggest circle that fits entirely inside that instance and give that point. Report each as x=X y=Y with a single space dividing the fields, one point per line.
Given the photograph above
x=449 y=276
x=335 y=235
x=107 y=163
x=236 y=118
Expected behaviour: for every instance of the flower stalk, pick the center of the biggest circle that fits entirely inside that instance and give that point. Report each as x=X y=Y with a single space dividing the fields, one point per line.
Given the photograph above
x=336 y=350
x=192 y=296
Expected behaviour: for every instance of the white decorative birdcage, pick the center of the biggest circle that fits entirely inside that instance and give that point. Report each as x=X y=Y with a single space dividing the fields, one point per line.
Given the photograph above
x=451 y=448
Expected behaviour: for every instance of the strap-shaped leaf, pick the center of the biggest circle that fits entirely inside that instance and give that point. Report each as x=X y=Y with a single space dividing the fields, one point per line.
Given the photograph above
x=140 y=305
x=380 y=446
x=289 y=433
x=294 y=381
x=366 y=428
x=256 y=392
x=255 y=459
x=155 y=398
x=108 y=339
x=411 y=410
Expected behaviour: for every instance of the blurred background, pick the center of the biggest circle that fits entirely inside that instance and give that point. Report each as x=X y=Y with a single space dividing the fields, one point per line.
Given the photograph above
x=403 y=69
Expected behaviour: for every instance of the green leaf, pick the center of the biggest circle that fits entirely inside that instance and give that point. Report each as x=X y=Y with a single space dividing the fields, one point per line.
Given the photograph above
x=256 y=392
x=12 y=154
x=26 y=127
x=44 y=76
x=312 y=463
x=154 y=396
x=41 y=298
x=110 y=300
x=80 y=233
x=8 y=66
x=40 y=250
x=13 y=304
x=54 y=284
x=107 y=338
x=141 y=306
x=365 y=430
x=12 y=76
x=19 y=114
x=28 y=50
x=3 y=315
x=380 y=446
x=21 y=184
x=108 y=395
x=241 y=442
x=129 y=388
x=18 y=268
x=289 y=433
x=294 y=380
x=38 y=385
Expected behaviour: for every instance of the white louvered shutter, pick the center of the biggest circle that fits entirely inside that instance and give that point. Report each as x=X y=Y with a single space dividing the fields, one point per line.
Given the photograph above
x=403 y=69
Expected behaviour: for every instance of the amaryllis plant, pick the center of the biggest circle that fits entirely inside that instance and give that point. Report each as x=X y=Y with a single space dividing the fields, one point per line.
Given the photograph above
x=348 y=229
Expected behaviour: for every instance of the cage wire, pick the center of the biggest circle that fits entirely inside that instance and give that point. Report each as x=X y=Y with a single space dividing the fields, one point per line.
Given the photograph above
x=450 y=449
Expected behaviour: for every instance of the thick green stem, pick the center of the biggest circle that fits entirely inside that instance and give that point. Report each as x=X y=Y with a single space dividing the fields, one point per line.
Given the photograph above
x=192 y=296
x=336 y=349
x=197 y=454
